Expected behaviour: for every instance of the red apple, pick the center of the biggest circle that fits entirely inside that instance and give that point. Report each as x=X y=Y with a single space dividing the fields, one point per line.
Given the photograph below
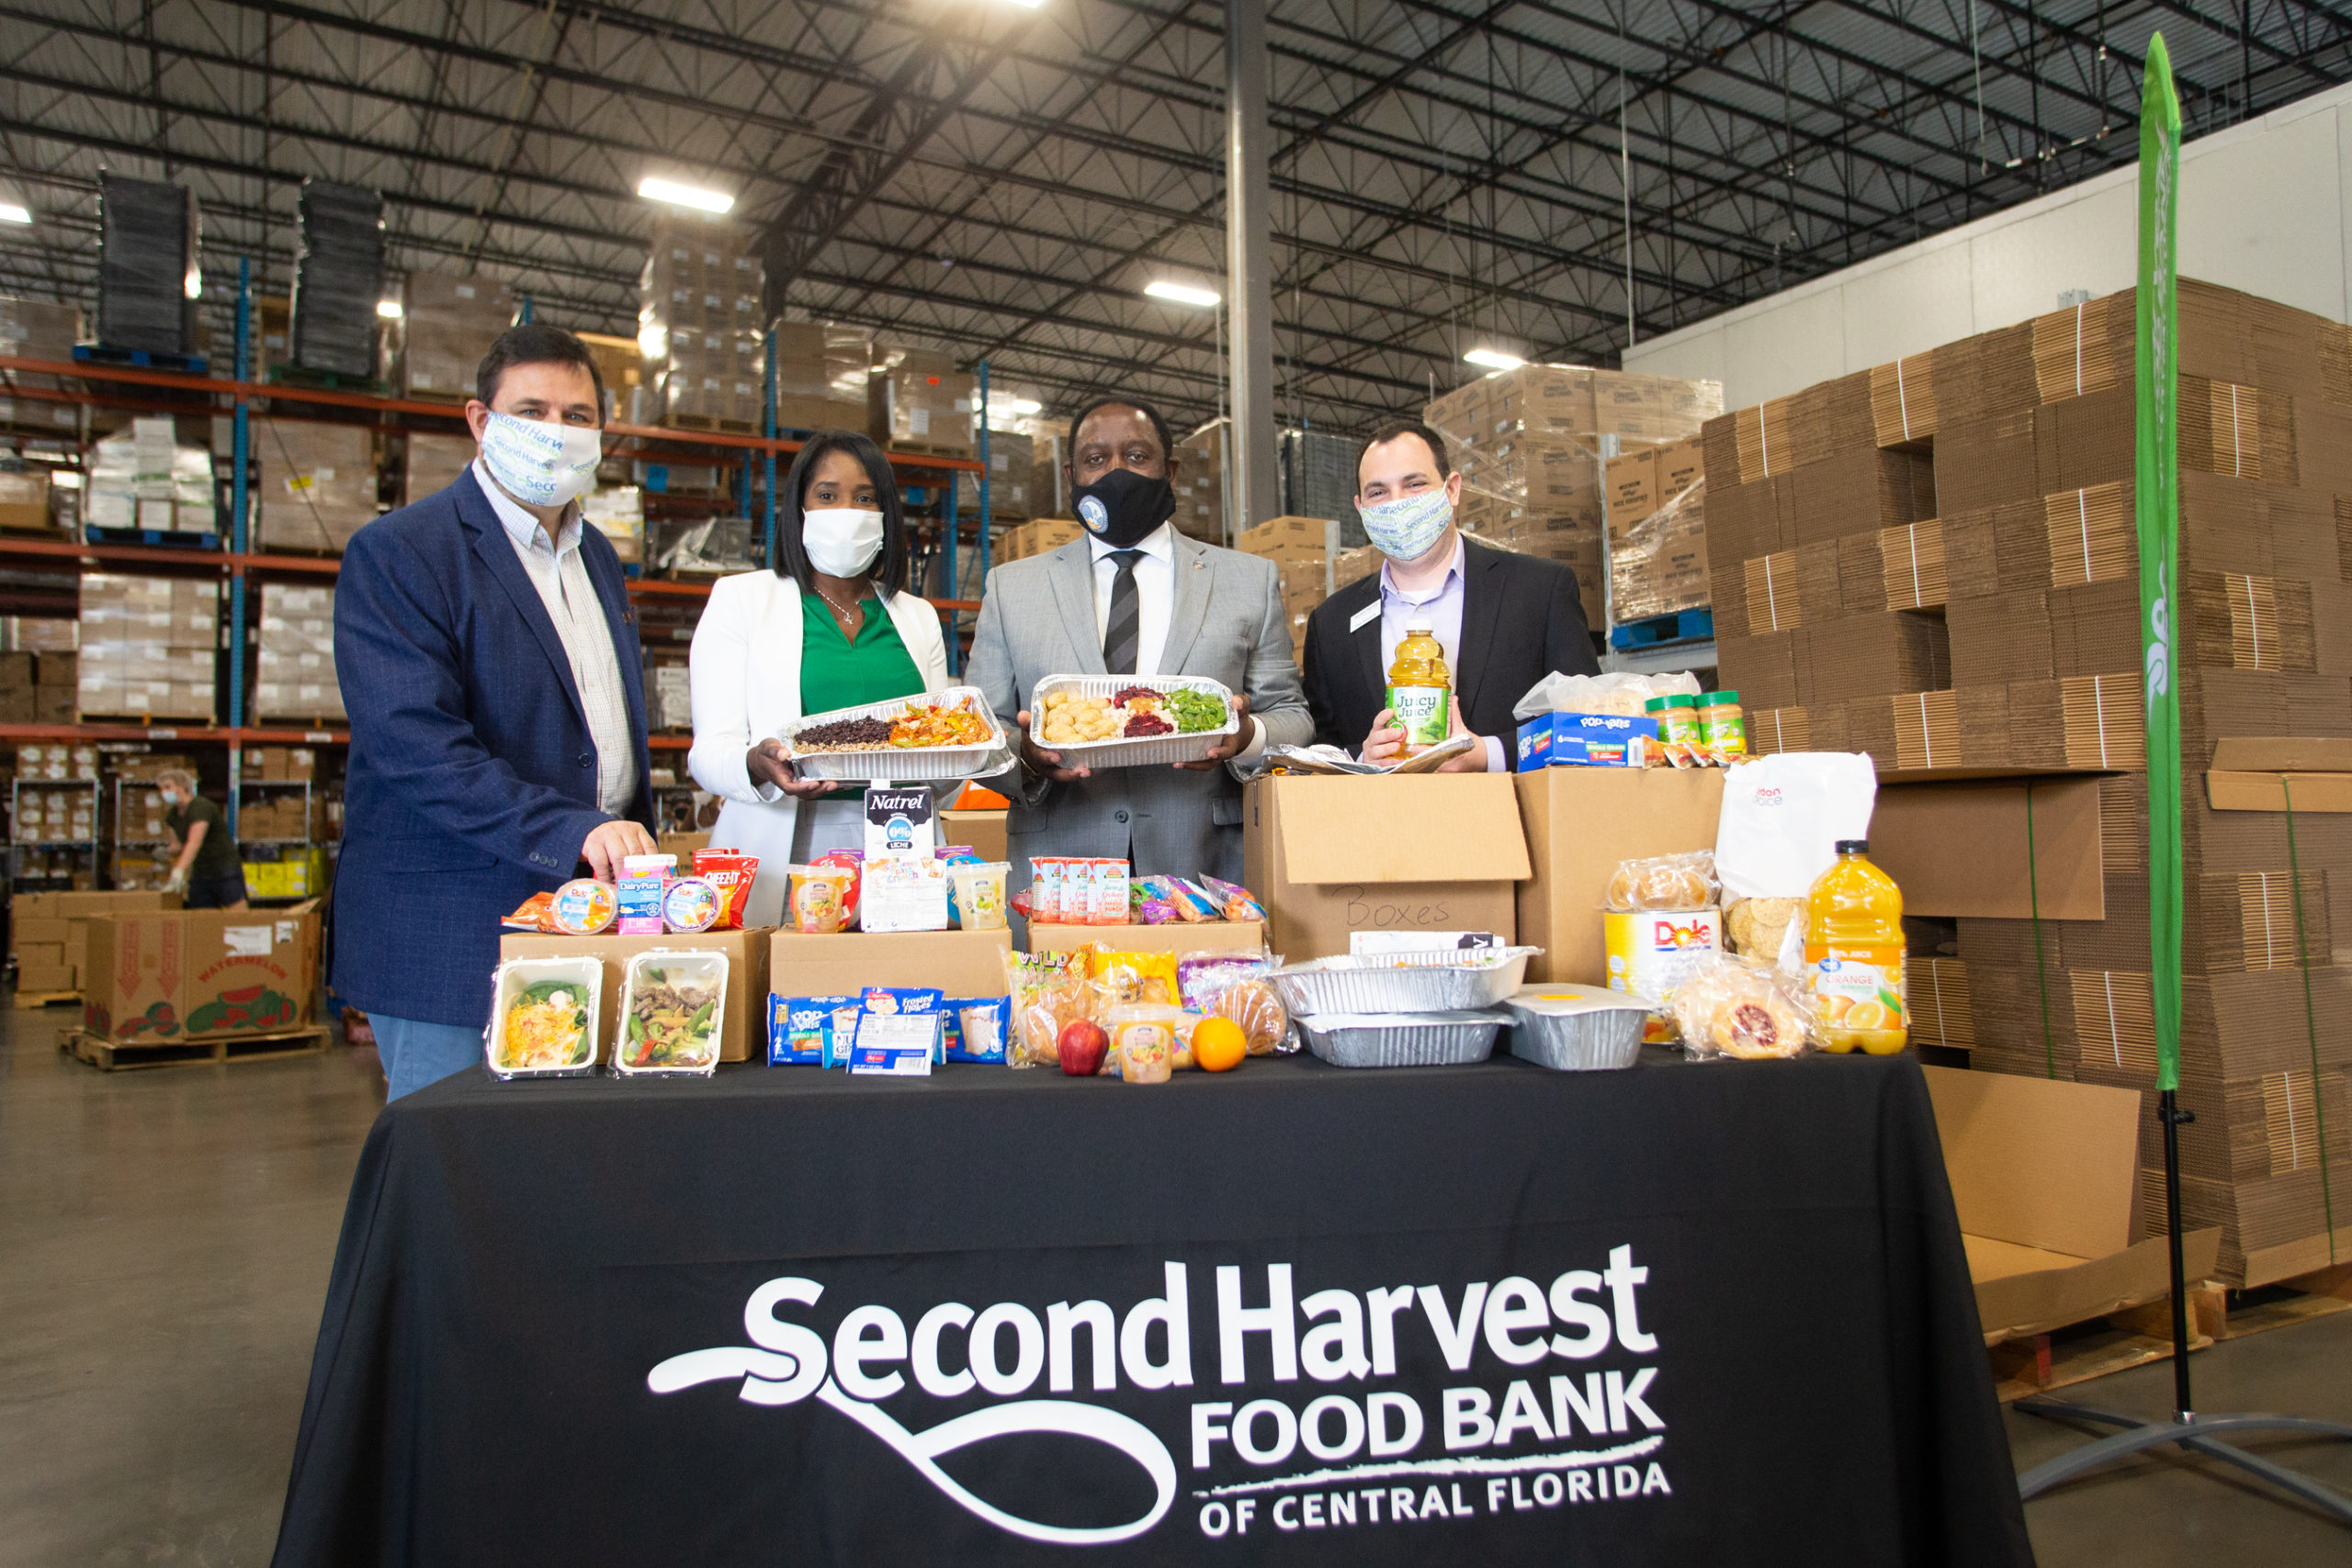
x=1082 y=1045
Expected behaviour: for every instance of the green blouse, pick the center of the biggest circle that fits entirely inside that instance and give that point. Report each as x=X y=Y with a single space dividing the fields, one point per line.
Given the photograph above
x=838 y=673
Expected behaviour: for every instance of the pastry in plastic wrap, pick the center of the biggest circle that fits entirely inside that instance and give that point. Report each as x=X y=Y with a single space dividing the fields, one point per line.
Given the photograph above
x=1663 y=881
x=1737 y=1008
x=1756 y=925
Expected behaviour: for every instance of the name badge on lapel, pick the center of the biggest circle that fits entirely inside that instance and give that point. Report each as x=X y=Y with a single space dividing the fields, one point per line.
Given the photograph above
x=1369 y=612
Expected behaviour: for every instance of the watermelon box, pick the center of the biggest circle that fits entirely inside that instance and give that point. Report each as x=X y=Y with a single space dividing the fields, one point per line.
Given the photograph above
x=164 y=977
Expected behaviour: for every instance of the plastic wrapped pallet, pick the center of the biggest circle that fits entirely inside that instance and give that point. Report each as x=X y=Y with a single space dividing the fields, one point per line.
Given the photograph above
x=1317 y=478
x=701 y=316
x=148 y=647
x=433 y=464
x=1200 y=483
x=338 y=277
x=920 y=400
x=295 y=676
x=820 y=372
x=145 y=477
x=318 y=484
x=619 y=513
x=38 y=329
x=1658 y=532
x=1013 y=463
x=447 y=323
x=147 y=265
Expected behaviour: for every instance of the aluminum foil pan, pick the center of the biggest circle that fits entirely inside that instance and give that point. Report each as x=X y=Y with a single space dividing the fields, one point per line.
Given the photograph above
x=915 y=764
x=1402 y=1039
x=1576 y=1029
x=1442 y=982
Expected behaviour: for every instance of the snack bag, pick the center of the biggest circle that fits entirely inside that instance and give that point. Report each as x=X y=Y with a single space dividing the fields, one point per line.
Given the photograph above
x=1733 y=1008
x=1133 y=978
x=1234 y=901
x=1664 y=882
x=908 y=1000
x=536 y=914
x=1192 y=903
x=1050 y=991
x=733 y=874
x=978 y=1029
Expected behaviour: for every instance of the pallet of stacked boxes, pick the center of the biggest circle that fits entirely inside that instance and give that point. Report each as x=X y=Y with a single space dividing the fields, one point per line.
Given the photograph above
x=148 y=647
x=1033 y=537
x=1200 y=483
x=668 y=691
x=1049 y=485
x=1013 y=462
x=294 y=656
x=1302 y=550
x=317 y=484
x=701 y=321
x=432 y=463
x=619 y=513
x=820 y=372
x=145 y=477
x=2024 y=582
x=1657 y=531
x=1529 y=442
x=49 y=934
x=447 y=322
x=918 y=401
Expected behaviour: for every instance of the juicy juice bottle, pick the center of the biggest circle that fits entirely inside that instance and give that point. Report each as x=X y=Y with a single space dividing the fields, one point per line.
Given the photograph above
x=1419 y=684
x=1853 y=953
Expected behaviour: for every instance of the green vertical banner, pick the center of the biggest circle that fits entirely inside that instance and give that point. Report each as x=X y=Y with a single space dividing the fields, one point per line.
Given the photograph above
x=2156 y=507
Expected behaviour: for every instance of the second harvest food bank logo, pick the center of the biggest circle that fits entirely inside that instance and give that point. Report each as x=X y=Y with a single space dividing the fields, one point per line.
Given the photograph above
x=1358 y=1455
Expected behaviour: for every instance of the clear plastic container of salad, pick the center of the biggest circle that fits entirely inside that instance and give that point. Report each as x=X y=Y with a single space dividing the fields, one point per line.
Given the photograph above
x=543 y=1018
x=672 y=1004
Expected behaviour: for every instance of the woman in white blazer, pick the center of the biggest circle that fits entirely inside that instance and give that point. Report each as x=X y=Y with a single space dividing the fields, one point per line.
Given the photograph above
x=831 y=627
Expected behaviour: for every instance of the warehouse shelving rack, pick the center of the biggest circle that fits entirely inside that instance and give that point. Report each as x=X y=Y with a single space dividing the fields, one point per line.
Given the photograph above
x=135 y=389
x=18 y=847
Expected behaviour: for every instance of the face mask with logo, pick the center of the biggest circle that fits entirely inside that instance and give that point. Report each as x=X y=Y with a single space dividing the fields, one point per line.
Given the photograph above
x=540 y=464
x=1405 y=528
x=1123 y=507
x=841 y=541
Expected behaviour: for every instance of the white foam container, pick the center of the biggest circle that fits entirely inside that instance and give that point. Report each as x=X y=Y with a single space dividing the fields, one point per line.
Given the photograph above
x=1441 y=980
x=912 y=765
x=1145 y=750
x=511 y=978
x=705 y=967
x=1573 y=1029
x=1402 y=1039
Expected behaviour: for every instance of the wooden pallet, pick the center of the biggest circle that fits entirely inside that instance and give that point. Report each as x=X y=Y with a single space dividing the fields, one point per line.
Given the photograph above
x=937 y=449
x=115 y=1056
x=47 y=998
x=141 y=358
x=2140 y=1335
x=455 y=399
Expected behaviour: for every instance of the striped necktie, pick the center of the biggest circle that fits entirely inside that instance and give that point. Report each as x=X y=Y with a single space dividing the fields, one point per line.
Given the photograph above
x=1123 y=632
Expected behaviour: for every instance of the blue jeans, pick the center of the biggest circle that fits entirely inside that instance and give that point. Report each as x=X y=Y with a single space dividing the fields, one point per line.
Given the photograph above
x=417 y=1053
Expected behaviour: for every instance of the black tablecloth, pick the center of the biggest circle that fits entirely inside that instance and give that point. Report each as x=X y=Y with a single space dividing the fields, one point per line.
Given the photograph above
x=1738 y=1287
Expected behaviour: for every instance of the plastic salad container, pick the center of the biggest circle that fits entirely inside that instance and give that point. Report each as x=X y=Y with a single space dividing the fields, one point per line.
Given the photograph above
x=672 y=1003
x=544 y=1016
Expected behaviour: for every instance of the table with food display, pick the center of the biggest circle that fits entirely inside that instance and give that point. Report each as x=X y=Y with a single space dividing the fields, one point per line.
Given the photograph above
x=870 y=1239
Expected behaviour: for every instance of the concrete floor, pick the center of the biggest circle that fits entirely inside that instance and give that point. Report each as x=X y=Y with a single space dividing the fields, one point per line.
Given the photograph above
x=164 y=1243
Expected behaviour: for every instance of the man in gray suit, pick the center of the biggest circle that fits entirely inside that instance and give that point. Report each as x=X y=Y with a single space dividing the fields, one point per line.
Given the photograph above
x=1135 y=597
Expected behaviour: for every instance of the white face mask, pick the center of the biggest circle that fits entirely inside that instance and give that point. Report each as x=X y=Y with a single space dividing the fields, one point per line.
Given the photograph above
x=1405 y=528
x=541 y=464
x=171 y=801
x=841 y=541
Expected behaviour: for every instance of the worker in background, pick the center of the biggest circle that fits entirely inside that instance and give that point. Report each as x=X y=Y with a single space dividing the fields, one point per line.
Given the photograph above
x=490 y=665
x=1135 y=597
x=205 y=870
x=1505 y=620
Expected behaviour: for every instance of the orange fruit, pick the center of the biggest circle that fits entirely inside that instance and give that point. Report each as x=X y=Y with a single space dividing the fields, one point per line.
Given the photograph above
x=1218 y=1045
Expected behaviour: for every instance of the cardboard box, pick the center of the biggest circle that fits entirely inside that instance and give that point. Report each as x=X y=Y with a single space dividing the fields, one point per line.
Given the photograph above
x=961 y=964
x=2042 y=1175
x=1286 y=538
x=1960 y=850
x=744 y=1030
x=2266 y=773
x=983 y=831
x=1430 y=852
x=165 y=975
x=1579 y=823
x=1184 y=936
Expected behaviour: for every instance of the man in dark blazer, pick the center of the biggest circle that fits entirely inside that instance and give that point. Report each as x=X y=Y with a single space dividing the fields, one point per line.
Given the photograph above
x=489 y=662
x=1505 y=620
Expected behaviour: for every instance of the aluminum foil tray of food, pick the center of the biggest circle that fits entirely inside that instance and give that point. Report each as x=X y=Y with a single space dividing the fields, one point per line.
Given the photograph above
x=1572 y=1028
x=948 y=734
x=1441 y=980
x=1402 y=1039
x=1130 y=721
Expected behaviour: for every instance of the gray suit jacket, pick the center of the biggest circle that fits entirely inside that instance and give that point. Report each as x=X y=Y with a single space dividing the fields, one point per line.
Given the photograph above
x=1037 y=619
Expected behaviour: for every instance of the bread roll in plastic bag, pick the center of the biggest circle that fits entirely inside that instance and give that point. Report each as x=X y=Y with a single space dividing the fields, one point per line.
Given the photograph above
x=1733 y=1008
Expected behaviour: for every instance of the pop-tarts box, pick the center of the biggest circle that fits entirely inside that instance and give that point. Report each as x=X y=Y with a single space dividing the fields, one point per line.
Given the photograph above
x=1585 y=740
x=812 y=1032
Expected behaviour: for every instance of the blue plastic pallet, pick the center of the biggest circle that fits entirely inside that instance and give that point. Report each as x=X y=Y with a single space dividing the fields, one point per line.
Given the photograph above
x=141 y=358
x=1683 y=625
x=177 y=539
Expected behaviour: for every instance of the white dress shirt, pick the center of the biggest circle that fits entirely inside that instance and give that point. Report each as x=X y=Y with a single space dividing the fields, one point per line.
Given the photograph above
x=561 y=577
x=1155 y=595
x=1441 y=609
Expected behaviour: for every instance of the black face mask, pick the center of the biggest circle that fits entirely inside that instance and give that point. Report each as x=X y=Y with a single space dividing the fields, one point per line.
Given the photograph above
x=1123 y=507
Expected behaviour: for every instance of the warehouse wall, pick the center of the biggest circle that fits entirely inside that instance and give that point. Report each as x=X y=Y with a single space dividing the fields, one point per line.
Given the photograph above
x=2266 y=209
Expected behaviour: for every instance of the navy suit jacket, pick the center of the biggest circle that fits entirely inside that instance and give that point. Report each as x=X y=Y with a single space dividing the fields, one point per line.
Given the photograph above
x=472 y=780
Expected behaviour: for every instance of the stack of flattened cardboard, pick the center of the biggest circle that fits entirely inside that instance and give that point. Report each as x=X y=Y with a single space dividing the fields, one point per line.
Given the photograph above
x=2037 y=890
x=1531 y=443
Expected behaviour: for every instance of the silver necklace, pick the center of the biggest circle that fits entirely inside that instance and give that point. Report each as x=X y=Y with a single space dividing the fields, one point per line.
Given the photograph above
x=846 y=609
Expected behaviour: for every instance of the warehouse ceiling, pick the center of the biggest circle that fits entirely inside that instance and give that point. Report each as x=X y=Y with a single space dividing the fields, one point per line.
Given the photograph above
x=1002 y=182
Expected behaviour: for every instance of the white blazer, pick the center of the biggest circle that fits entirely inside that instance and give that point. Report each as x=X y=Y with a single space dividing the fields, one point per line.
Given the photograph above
x=746 y=686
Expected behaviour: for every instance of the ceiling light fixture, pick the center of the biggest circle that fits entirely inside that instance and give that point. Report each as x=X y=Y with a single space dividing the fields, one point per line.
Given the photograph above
x=677 y=194
x=1015 y=406
x=1493 y=360
x=1183 y=294
x=389 y=308
x=11 y=213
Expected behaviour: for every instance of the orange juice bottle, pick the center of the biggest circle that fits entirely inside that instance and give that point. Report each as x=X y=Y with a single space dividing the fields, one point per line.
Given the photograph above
x=1419 y=685
x=1853 y=952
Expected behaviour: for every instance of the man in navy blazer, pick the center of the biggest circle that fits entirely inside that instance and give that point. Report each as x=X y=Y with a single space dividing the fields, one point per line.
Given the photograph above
x=491 y=665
